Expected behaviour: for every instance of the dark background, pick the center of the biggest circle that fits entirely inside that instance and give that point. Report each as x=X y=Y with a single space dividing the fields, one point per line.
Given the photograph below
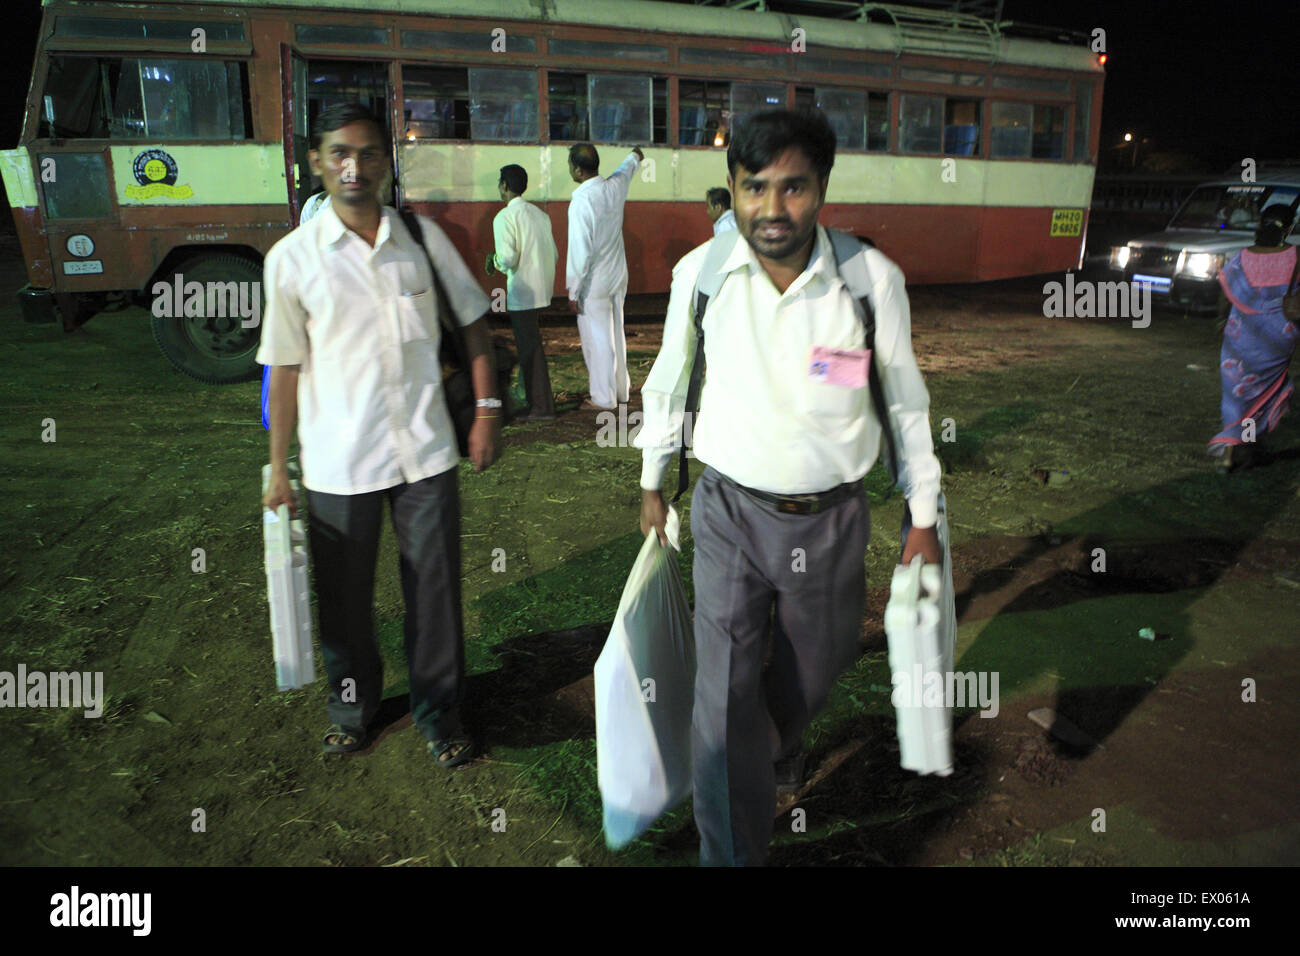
x=1206 y=84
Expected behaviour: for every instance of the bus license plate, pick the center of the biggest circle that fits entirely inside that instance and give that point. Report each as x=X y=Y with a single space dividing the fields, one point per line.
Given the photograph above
x=1067 y=222
x=84 y=267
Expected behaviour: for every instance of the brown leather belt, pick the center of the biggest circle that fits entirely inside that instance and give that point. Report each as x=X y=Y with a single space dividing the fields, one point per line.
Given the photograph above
x=800 y=504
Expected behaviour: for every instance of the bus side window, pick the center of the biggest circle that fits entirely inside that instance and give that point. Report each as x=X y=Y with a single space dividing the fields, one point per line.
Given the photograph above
x=620 y=107
x=436 y=102
x=503 y=105
x=704 y=113
x=112 y=97
x=1049 y=132
x=73 y=105
x=567 y=112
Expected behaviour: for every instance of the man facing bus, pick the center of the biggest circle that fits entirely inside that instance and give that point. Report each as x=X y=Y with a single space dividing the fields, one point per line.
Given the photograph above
x=525 y=251
x=597 y=271
x=779 y=516
x=353 y=331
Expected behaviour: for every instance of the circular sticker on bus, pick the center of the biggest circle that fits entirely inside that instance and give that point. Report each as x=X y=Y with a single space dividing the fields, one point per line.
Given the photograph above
x=155 y=175
x=80 y=245
x=154 y=166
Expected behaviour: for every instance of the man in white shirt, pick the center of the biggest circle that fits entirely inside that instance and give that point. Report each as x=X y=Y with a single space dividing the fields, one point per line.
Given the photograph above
x=717 y=202
x=352 y=331
x=597 y=271
x=525 y=251
x=779 y=516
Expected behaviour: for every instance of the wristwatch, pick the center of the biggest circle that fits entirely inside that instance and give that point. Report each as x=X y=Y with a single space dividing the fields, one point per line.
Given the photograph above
x=488 y=403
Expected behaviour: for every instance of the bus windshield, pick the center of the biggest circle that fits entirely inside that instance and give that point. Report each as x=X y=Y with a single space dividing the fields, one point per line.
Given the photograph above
x=1230 y=207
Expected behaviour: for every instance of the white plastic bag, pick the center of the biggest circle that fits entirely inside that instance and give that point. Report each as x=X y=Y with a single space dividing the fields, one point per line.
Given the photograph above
x=645 y=692
x=288 y=592
x=921 y=626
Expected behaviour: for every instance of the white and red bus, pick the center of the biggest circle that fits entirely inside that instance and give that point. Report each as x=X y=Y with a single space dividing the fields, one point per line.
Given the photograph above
x=165 y=138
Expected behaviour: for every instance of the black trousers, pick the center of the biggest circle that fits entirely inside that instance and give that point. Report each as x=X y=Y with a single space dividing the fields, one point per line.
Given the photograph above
x=532 y=361
x=344 y=539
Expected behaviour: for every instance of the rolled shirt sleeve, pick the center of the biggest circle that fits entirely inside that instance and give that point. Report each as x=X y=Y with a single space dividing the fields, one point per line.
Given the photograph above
x=468 y=300
x=663 y=395
x=284 y=320
x=906 y=398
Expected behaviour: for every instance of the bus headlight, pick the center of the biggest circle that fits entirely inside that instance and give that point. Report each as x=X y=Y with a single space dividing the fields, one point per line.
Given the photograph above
x=1119 y=258
x=1201 y=265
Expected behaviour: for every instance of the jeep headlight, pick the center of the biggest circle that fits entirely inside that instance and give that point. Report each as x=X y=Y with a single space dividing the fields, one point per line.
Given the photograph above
x=1119 y=258
x=1201 y=265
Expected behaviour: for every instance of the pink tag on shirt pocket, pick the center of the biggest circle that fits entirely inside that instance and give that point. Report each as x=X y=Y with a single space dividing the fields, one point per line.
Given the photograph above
x=846 y=367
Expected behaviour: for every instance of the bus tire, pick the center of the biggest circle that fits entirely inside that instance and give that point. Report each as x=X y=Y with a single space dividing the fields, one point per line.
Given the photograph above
x=216 y=350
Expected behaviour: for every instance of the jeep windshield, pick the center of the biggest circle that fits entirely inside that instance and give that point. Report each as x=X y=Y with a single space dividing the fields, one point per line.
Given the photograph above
x=1230 y=207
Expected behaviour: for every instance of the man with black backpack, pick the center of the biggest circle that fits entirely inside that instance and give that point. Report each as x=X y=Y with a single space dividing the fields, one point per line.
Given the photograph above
x=806 y=335
x=354 y=319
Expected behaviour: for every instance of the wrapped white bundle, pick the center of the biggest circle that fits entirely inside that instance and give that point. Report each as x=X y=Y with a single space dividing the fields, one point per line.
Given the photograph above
x=288 y=591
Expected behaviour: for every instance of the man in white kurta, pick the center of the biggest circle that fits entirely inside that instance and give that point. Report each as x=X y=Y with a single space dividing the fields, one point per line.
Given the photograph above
x=597 y=271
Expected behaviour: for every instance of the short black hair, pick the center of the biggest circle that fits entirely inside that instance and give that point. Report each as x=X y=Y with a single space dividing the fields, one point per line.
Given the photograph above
x=340 y=115
x=719 y=196
x=762 y=137
x=515 y=178
x=1274 y=223
x=585 y=157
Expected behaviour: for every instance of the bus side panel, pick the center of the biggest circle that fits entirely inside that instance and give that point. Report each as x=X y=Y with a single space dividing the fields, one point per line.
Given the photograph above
x=40 y=271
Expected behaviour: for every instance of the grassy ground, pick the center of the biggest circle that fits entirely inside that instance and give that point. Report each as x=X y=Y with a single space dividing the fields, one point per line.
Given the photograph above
x=1068 y=436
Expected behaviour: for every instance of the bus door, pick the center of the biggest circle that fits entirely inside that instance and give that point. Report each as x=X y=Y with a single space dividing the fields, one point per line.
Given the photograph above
x=72 y=172
x=298 y=169
x=318 y=84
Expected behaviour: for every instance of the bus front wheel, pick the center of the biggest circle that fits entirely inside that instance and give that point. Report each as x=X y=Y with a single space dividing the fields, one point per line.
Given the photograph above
x=211 y=335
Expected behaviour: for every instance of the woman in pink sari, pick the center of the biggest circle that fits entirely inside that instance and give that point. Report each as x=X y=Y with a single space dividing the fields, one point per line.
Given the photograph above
x=1258 y=340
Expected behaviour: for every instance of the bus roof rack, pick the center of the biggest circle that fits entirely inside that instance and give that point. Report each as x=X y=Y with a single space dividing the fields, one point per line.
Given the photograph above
x=919 y=23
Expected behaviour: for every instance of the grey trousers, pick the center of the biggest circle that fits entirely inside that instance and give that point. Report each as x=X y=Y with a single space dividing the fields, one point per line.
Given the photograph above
x=344 y=538
x=532 y=361
x=759 y=571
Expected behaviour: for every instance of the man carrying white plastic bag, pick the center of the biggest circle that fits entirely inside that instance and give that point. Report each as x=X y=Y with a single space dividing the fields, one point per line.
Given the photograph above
x=806 y=335
x=645 y=685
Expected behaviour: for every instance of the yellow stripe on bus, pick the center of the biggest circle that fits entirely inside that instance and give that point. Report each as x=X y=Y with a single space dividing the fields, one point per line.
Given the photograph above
x=16 y=170
x=465 y=172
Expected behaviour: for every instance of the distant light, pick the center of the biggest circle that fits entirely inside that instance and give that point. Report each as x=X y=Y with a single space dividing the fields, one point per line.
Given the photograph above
x=1101 y=60
x=717 y=140
x=1128 y=137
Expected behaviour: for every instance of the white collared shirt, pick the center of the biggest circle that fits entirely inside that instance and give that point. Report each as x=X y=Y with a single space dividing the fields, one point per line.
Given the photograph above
x=724 y=222
x=526 y=253
x=597 y=263
x=363 y=325
x=763 y=422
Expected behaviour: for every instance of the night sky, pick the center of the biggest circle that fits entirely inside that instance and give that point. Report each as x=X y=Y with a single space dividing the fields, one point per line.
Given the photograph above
x=1213 y=82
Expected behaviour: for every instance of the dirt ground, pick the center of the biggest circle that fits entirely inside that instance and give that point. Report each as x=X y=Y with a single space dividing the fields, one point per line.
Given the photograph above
x=1069 y=436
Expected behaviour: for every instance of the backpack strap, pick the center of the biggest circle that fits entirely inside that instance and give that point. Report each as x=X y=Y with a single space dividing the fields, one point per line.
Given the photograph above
x=851 y=261
x=706 y=287
x=444 y=303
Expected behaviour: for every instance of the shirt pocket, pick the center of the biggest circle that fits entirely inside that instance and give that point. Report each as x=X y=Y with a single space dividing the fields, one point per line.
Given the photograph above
x=417 y=316
x=830 y=407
